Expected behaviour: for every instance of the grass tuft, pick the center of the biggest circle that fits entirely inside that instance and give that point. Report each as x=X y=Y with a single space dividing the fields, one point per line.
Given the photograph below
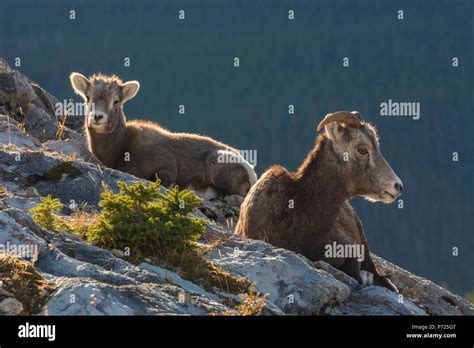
x=21 y=280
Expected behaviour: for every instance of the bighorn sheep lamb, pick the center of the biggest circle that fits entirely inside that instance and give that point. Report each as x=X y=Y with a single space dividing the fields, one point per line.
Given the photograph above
x=145 y=149
x=308 y=211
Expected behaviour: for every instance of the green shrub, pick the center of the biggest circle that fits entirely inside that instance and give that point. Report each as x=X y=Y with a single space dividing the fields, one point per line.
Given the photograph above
x=148 y=222
x=152 y=225
x=46 y=215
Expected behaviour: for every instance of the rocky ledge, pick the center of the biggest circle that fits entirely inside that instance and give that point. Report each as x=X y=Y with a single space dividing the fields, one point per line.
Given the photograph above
x=41 y=155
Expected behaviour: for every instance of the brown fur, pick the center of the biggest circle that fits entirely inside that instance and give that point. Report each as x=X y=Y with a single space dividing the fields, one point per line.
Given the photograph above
x=145 y=149
x=320 y=190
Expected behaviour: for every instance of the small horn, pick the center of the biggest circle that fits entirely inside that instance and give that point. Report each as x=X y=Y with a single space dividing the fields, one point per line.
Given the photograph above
x=357 y=114
x=350 y=118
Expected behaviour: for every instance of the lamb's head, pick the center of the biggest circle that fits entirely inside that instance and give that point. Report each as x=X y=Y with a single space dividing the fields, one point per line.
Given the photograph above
x=104 y=97
x=364 y=169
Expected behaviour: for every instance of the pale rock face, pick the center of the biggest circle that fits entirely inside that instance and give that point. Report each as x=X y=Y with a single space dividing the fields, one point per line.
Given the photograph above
x=93 y=281
x=15 y=89
x=376 y=300
x=71 y=148
x=294 y=285
x=11 y=306
x=11 y=134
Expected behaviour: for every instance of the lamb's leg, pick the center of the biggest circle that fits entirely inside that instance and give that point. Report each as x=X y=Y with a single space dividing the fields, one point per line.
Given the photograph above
x=229 y=173
x=208 y=193
x=230 y=179
x=168 y=179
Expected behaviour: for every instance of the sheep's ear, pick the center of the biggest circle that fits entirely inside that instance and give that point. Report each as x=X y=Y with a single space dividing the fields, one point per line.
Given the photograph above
x=335 y=130
x=130 y=89
x=79 y=83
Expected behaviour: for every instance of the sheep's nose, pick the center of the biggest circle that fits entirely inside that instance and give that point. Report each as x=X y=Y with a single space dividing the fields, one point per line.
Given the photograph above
x=399 y=186
x=98 y=117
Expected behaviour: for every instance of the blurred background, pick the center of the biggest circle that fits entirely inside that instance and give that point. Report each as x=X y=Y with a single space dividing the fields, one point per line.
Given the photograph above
x=297 y=62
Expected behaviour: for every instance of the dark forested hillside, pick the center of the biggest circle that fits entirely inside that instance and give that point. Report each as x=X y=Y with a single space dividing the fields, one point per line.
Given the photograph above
x=297 y=62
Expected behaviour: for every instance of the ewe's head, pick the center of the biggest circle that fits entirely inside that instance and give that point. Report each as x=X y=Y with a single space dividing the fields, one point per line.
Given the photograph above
x=366 y=171
x=104 y=97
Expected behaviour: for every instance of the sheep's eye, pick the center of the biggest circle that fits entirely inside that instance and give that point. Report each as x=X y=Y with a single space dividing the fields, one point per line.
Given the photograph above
x=88 y=98
x=362 y=150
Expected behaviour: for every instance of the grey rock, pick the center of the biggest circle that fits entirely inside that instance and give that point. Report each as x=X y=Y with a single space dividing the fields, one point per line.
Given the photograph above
x=338 y=274
x=54 y=174
x=82 y=297
x=16 y=238
x=40 y=124
x=23 y=218
x=432 y=298
x=174 y=278
x=234 y=200
x=15 y=90
x=72 y=148
x=221 y=212
x=45 y=101
x=11 y=306
x=21 y=203
x=293 y=284
x=75 y=135
x=376 y=300
x=31 y=192
x=75 y=122
x=11 y=134
x=78 y=251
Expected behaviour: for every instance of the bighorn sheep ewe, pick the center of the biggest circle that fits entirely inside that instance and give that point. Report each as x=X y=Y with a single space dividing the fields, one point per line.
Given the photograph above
x=308 y=211
x=145 y=149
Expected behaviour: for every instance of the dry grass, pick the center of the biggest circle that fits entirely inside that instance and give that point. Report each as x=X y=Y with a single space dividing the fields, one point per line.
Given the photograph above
x=21 y=279
x=9 y=147
x=227 y=282
x=3 y=192
x=253 y=303
x=61 y=127
x=72 y=157
x=81 y=219
x=214 y=241
x=191 y=265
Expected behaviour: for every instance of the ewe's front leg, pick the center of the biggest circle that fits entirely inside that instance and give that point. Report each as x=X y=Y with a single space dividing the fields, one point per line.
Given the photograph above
x=352 y=267
x=343 y=253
